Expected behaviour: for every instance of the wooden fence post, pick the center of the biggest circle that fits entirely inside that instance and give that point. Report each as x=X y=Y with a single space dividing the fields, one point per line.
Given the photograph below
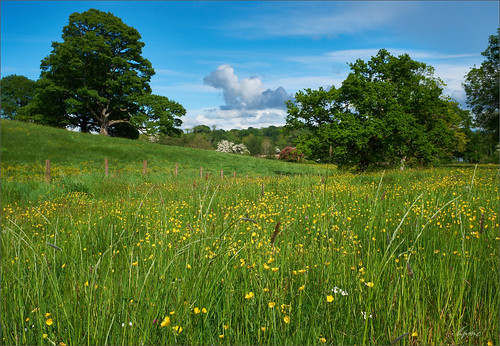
x=106 y=167
x=144 y=167
x=176 y=168
x=201 y=172
x=221 y=174
x=234 y=174
x=47 y=171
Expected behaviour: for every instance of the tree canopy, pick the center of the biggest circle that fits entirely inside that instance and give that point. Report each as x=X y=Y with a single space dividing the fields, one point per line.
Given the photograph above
x=100 y=78
x=387 y=110
x=17 y=92
x=482 y=88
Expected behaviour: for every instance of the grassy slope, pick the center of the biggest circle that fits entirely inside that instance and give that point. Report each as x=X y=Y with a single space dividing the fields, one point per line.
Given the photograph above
x=29 y=144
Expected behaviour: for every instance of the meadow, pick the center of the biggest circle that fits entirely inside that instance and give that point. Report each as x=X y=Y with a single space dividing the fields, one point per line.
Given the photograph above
x=318 y=257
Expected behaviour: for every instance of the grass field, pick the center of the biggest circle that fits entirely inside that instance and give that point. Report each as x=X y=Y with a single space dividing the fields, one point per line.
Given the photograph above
x=291 y=254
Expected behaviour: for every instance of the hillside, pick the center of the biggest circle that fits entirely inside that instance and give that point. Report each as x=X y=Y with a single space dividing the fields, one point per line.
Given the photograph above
x=29 y=144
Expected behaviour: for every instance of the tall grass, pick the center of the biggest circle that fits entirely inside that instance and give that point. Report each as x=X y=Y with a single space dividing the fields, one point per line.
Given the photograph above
x=410 y=257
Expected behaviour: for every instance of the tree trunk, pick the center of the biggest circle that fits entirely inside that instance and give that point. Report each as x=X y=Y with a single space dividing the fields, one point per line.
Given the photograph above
x=104 y=130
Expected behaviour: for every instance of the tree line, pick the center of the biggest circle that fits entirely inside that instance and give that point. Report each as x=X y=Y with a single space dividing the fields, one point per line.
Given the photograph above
x=389 y=110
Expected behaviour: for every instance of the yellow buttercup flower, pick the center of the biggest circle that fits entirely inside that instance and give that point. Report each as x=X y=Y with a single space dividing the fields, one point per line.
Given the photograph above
x=286 y=319
x=329 y=298
x=49 y=322
x=204 y=310
x=272 y=304
x=302 y=287
x=166 y=322
x=414 y=334
x=370 y=284
x=249 y=295
x=196 y=311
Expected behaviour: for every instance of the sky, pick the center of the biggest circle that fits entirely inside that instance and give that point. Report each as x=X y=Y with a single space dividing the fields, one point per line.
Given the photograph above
x=234 y=64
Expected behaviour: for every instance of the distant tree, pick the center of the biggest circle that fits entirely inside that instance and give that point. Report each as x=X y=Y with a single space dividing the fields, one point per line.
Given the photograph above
x=17 y=92
x=253 y=144
x=157 y=114
x=48 y=107
x=482 y=88
x=387 y=108
x=98 y=70
x=201 y=129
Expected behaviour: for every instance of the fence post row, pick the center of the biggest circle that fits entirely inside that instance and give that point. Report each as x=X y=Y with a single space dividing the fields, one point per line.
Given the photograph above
x=144 y=170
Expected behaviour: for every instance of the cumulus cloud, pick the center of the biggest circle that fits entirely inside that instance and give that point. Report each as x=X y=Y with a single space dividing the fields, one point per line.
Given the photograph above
x=247 y=93
x=234 y=119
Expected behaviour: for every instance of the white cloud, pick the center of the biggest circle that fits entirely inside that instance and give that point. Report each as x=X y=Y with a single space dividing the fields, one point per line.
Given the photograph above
x=246 y=94
x=233 y=118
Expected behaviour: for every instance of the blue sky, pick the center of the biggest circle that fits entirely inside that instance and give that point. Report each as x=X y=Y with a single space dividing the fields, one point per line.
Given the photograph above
x=231 y=64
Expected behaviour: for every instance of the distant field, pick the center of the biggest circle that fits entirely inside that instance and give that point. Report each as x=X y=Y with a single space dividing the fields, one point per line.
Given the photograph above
x=305 y=256
x=25 y=147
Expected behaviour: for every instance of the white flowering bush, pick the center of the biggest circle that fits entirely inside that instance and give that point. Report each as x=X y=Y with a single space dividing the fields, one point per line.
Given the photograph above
x=225 y=146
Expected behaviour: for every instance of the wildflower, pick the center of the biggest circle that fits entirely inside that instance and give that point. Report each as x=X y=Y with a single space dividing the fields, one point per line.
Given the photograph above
x=369 y=284
x=266 y=267
x=275 y=269
x=489 y=343
x=323 y=340
x=27 y=319
x=329 y=298
x=364 y=315
x=45 y=336
x=196 y=311
x=135 y=264
x=286 y=319
x=266 y=289
x=226 y=327
x=339 y=290
x=302 y=287
x=130 y=323
x=177 y=329
x=414 y=334
x=47 y=314
x=166 y=322
x=49 y=322
x=221 y=336
x=188 y=266
x=271 y=304
x=249 y=295
x=204 y=310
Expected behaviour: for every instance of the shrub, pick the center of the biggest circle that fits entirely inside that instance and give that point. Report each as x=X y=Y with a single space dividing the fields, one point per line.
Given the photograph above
x=225 y=146
x=291 y=154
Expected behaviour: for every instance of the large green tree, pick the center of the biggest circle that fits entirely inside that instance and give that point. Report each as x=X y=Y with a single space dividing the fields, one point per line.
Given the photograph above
x=99 y=73
x=482 y=88
x=17 y=92
x=387 y=110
